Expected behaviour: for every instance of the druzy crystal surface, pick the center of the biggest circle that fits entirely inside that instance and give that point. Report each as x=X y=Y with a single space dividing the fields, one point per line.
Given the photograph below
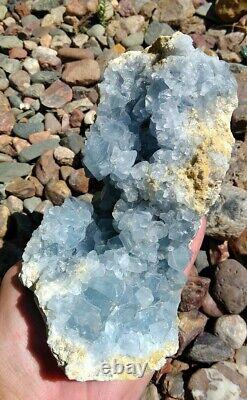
x=108 y=276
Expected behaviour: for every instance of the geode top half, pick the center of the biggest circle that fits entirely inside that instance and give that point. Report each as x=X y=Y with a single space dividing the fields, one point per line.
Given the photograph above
x=108 y=278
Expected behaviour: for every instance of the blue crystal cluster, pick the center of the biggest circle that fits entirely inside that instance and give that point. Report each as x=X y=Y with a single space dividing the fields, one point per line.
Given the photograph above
x=116 y=269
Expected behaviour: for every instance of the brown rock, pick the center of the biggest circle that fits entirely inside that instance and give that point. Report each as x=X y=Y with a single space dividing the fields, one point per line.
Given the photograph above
x=18 y=53
x=57 y=192
x=64 y=156
x=229 y=56
x=194 y=293
x=173 y=10
x=20 y=80
x=239 y=246
x=230 y=10
x=14 y=204
x=52 y=124
x=20 y=144
x=46 y=168
x=78 y=181
x=6 y=145
x=230 y=287
x=84 y=72
x=65 y=171
x=22 y=8
x=75 y=53
x=4 y=218
x=6 y=115
x=191 y=324
x=57 y=95
x=21 y=188
x=237 y=173
x=39 y=188
x=210 y=308
x=233 y=41
x=76 y=7
x=39 y=136
x=193 y=25
x=76 y=118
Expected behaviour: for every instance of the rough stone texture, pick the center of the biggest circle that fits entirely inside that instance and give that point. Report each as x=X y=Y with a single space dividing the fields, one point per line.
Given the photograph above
x=57 y=95
x=4 y=217
x=78 y=181
x=208 y=349
x=191 y=324
x=173 y=10
x=161 y=144
x=230 y=10
x=237 y=173
x=21 y=188
x=232 y=330
x=228 y=217
x=10 y=170
x=46 y=168
x=84 y=72
x=230 y=287
x=193 y=293
x=223 y=380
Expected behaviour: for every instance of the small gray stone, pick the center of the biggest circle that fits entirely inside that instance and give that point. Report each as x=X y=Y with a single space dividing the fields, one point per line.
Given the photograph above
x=10 y=65
x=31 y=204
x=46 y=77
x=74 y=142
x=36 y=90
x=52 y=124
x=201 y=261
x=15 y=101
x=3 y=12
x=241 y=356
x=44 y=5
x=23 y=130
x=35 y=150
x=96 y=30
x=208 y=348
x=31 y=65
x=20 y=80
x=10 y=170
x=8 y=42
x=4 y=83
x=155 y=29
x=37 y=118
x=134 y=39
x=232 y=330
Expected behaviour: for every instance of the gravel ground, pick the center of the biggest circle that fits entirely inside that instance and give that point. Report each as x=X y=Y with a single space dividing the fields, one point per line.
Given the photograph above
x=52 y=56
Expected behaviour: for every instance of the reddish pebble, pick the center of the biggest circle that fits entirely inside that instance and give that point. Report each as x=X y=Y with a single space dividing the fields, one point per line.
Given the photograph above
x=17 y=53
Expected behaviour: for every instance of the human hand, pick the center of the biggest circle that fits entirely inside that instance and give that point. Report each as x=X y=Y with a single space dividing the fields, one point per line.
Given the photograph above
x=28 y=371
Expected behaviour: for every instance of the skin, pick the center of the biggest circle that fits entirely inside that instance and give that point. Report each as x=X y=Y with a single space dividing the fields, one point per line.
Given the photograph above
x=28 y=371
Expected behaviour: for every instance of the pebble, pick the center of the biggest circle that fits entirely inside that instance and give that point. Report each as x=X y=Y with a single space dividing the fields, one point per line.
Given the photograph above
x=84 y=104
x=84 y=72
x=10 y=170
x=46 y=168
x=57 y=95
x=23 y=130
x=31 y=204
x=64 y=156
x=78 y=181
x=8 y=42
x=30 y=23
x=20 y=144
x=96 y=30
x=230 y=287
x=80 y=39
x=35 y=91
x=44 y=5
x=155 y=29
x=75 y=53
x=36 y=118
x=173 y=10
x=76 y=118
x=210 y=308
x=10 y=65
x=191 y=324
x=6 y=115
x=173 y=385
x=46 y=57
x=230 y=11
x=76 y=7
x=241 y=356
x=14 y=204
x=35 y=150
x=4 y=82
x=57 y=192
x=39 y=137
x=150 y=393
x=3 y=12
x=134 y=39
x=60 y=41
x=4 y=219
x=20 y=80
x=232 y=330
x=208 y=348
x=17 y=52
x=21 y=188
x=74 y=142
x=52 y=124
x=46 y=77
x=39 y=188
x=89 y=117
x=228 y=217
x=43 y=206
x=31 y=65
x=193 y=293
x=224 y=380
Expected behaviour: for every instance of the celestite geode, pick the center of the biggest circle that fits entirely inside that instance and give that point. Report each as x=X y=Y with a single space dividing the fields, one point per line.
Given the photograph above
x=108 y=278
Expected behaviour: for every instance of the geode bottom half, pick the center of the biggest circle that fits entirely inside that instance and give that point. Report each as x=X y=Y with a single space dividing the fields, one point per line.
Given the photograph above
x=108 y=277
